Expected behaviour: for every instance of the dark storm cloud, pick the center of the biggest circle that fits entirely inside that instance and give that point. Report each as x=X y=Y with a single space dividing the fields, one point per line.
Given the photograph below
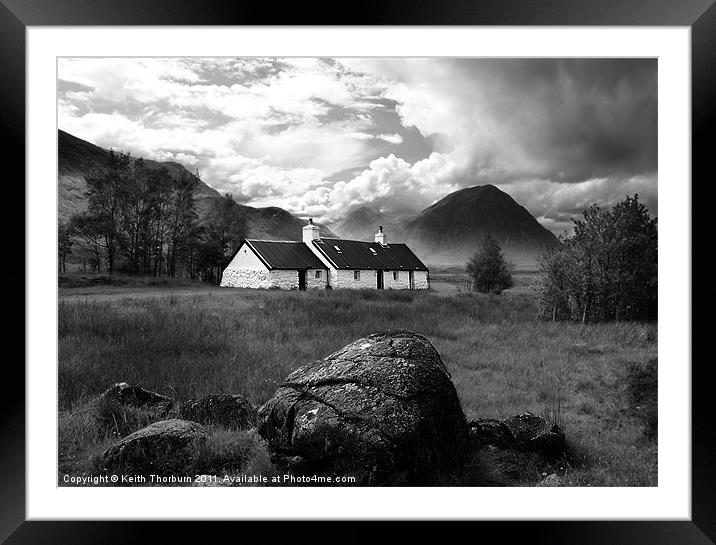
x=414 y=145
x=576 y=119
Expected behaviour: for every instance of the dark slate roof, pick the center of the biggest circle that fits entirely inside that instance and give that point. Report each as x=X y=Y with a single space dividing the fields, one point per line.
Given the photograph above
x=276 y=254
x=352 y=254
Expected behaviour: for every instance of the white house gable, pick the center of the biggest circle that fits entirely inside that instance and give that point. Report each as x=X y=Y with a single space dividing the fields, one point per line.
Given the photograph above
x=245 y=258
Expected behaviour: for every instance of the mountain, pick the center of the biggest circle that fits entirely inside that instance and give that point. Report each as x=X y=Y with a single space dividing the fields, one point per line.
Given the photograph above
x=76 y=158
x=274 y=223
x=362 y=224
x=452 y=229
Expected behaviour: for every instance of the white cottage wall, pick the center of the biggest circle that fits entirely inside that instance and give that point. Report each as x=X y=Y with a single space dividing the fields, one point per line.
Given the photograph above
x=313 y=283
x=246 y=270
x=420 y=280
x=245 y=278
x=345 y=279
x=286 y=280
x=402 y=283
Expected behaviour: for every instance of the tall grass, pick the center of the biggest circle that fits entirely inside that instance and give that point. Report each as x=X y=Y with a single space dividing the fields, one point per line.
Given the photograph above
x=502 y=360
x=244 y=344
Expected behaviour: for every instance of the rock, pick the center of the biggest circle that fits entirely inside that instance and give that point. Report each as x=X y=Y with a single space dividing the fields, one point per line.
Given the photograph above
x=162 y=447
x=124 y=394
x=382 y=409
x=490 y=432
x=230 y=411
x=550 y=480
x=536 y=434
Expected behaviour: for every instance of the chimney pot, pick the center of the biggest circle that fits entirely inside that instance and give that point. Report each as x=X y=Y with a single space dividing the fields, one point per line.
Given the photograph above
x=310 y=232
x=380 y=237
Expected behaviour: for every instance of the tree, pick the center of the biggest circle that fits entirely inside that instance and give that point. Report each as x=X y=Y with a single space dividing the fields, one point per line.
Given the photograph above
x=64 y=244
x=553 y=281
x=145 y=213
x=607 y=270
x=142 y=219
x=225 y=229
x=488 y=269
x=87 y=229
x=180 y=227
x=106 y=191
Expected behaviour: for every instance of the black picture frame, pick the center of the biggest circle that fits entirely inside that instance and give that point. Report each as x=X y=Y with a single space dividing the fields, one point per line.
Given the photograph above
x=16 y=15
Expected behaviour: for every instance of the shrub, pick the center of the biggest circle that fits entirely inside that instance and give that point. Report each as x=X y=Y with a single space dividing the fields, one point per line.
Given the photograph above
x=488 y=269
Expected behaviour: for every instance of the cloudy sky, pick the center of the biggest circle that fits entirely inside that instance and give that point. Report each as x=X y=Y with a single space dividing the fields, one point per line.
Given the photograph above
x=320 y=137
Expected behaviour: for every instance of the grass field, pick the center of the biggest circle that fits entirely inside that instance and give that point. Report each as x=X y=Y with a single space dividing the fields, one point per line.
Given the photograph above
x=587 y=378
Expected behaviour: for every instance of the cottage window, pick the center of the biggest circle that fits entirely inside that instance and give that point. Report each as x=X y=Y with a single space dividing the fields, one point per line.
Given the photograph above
x=395 y=275
x=356 y=275
x=318 y=274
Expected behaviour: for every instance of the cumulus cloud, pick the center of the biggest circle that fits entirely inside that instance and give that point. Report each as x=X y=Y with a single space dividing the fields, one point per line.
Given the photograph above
x=321 y=136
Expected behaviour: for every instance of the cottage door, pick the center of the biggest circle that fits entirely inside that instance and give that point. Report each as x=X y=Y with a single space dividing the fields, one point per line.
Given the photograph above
x=302 y=280
x=379 y=276
x=411 y=280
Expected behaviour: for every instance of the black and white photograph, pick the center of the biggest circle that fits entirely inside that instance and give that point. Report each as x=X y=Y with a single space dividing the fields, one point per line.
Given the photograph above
x=357 y=271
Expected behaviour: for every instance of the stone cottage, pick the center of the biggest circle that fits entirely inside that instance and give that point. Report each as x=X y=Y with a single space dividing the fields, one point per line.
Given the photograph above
x=320 y=263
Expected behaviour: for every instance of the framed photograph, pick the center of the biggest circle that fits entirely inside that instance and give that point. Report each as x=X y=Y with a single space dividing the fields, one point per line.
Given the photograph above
x=419 y=265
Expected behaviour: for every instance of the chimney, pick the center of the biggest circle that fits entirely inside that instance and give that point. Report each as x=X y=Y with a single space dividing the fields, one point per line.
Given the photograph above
x=380 y=236
x=310 y=232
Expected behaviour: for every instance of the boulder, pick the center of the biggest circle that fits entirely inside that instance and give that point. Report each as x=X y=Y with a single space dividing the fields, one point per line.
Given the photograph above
x=536 y=434
x=230 y=411
x=163 y=447
x=488 y=432
x=125 y=394
x=382 y=409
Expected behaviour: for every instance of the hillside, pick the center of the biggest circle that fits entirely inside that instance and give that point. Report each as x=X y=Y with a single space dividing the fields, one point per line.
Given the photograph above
x=362 y=224
x=77 y=158
x=452 y=229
